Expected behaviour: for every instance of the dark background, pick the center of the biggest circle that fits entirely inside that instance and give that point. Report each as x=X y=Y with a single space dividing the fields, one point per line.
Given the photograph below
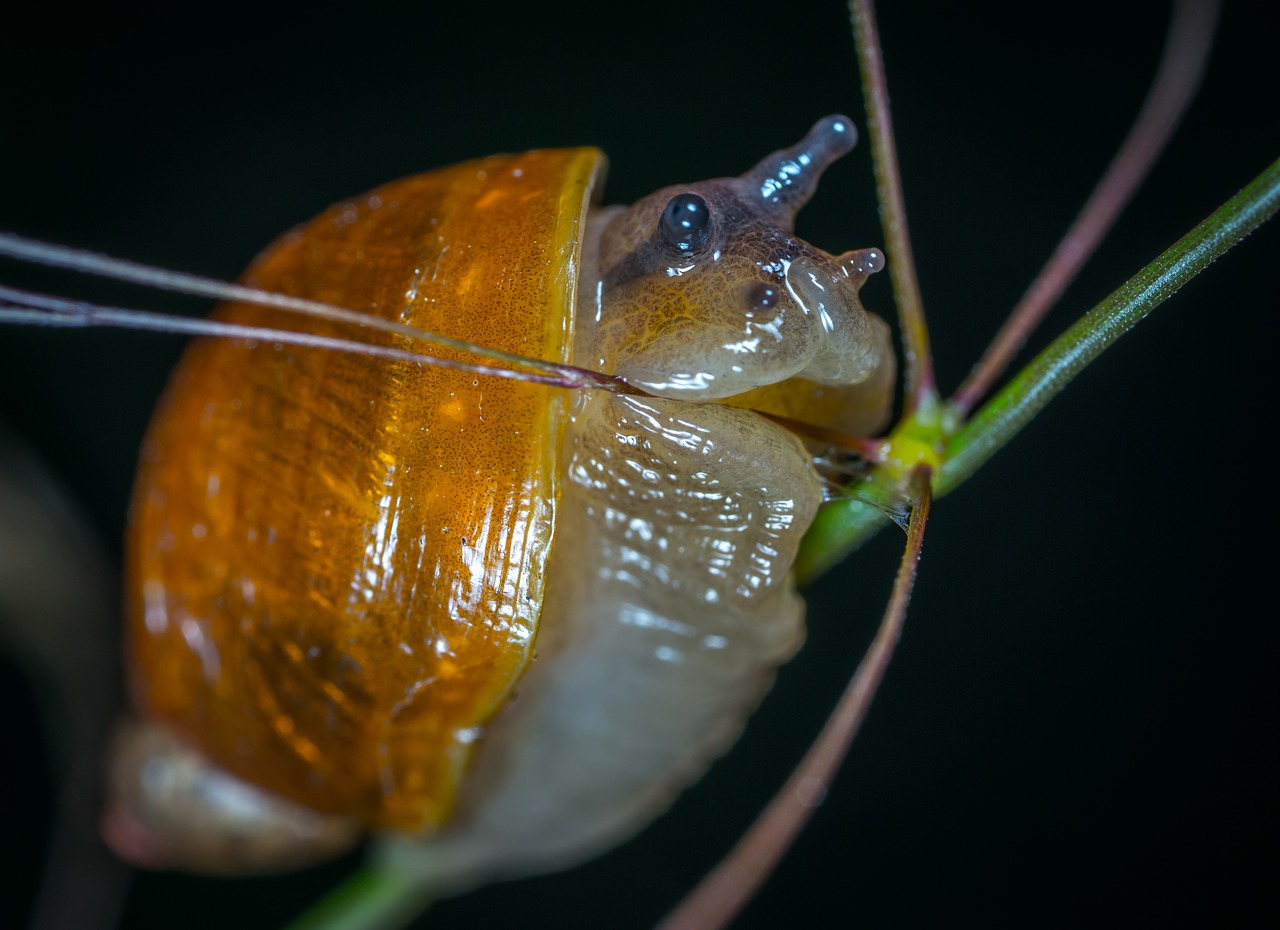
x=1075 y=727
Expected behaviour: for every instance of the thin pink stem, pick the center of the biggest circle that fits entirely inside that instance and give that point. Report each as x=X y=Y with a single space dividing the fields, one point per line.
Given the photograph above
x=1181 y=67
x=32 y=309
x=872 y=450
x=917 y=356
x=78 y=260
x=722 y=894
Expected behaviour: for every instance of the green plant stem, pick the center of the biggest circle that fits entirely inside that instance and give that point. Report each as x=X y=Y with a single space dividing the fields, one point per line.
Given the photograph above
x=369 y=899
x=1028 y=393
x=841 y=527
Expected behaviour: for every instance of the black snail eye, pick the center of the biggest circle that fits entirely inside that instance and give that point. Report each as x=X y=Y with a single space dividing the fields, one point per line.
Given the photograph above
x=761 y=296
x=686 y=222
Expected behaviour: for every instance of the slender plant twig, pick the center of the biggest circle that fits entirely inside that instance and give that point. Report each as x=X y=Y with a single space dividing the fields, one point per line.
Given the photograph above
x=1182 y=64
x=722 y=894
x=57 y=598
x=917 y=356
x=79 y=260
x=17 y=306
x=380 y=898
x=1053 y=369
x=844 y=525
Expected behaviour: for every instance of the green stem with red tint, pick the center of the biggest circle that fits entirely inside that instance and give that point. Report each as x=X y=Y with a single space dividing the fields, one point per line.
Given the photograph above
x=961 y=448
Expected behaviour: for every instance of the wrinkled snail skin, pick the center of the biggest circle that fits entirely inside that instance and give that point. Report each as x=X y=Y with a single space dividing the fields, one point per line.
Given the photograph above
x=658 y=533
x=668 y=610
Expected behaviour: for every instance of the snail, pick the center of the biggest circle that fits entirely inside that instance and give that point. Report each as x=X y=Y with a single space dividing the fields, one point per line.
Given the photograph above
x=505 y=621
x=960 y=698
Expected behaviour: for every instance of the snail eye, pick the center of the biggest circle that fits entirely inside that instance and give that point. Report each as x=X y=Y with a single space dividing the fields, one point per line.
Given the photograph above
x=686 y=222
x=761 y=296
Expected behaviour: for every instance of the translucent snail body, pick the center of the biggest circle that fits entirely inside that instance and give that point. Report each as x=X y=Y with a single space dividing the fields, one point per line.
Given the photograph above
x=504 y=622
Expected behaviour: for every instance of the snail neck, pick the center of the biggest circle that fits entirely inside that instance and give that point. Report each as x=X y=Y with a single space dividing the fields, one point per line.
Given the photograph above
x=589 y=308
